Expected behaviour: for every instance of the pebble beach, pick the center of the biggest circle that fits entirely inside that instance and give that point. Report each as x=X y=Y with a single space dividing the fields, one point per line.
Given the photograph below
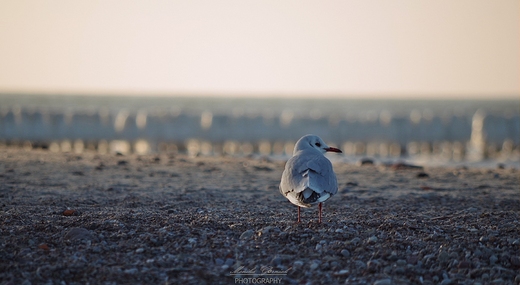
x=92 y=218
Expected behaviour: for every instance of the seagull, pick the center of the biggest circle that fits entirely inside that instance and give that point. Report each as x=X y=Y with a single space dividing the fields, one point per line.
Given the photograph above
x=308 y=178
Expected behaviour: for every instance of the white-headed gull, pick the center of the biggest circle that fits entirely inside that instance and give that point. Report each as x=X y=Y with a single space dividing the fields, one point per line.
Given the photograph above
x=308 y=177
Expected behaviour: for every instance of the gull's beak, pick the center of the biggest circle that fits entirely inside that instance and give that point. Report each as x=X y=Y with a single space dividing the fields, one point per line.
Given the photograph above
x=333 y=149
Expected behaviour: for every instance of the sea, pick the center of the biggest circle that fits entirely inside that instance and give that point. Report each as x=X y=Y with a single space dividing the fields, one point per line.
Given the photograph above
x=430 y=132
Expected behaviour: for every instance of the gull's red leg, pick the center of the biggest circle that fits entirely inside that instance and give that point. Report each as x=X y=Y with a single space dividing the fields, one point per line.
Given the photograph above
x=298 y=214
x=319 y=213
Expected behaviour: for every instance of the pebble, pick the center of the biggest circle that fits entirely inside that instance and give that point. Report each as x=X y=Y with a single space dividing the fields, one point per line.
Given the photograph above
x=422 y=175
x=443 y=257
x=446 y=281
x=219 y=261
x=131 y=271
x=266 y=230
x=373 y=265
x=383 y=282
x=247 y=234
x=345 y=253
x=139 y=250
x=276 y=261
x=360 y=265
x=298 y=264
x=493 y=259
x=341 y=272
x=78 y=234
x=515 y=261
x=365 y=161
x=464 y=264
x=401 y=262
x=229 y=261
x=314 y=265
x=372 y=240
x=355 y=241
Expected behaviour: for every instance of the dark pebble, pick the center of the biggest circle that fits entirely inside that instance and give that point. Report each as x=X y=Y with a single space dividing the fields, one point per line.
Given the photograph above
x=422 y=175
x=78 y=234
x=365 y=161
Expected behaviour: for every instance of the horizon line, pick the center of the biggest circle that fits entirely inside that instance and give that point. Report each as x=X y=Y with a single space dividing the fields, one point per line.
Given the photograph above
x=272 y=95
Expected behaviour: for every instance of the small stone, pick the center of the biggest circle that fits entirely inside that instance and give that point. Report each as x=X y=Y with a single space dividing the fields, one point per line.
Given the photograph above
x=345 y=253
x=219 y=261
x=383 y=282
x=493 y=259
x=446 y=281
x=365 y=161
x=393 y=257
x=78 y=234
x=131 y=271
x=70 y=212
x=314 y=265
x=372 y=240
x=247 y=234
x=464 y=264
x=44 y=246
x=360 y=265
x=443 y=257
x=515 y=260
x=139 y=250
x=276 y=261
x=422 y=175
x=298 y=264
x=401 y=262
x=412 y=259
x=517 y=278
x=373 y=265
x=265 y=230
x=229 y=262
x=355 y=241
x=339 y=231
x=341 y=272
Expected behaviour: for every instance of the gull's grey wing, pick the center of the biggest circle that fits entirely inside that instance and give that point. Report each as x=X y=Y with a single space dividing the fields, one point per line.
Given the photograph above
x=308 y=170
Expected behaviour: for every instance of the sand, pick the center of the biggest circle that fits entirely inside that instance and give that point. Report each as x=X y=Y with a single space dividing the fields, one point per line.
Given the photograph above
x=167 y=219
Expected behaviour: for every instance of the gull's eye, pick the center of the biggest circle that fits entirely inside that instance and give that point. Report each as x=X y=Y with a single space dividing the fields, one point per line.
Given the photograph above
x=318 y=144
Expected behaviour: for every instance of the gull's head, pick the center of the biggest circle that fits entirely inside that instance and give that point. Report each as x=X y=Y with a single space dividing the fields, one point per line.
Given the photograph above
x=313 y=142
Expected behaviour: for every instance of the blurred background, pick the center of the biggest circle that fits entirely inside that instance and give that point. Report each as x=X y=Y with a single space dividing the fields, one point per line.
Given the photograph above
x=429 y=81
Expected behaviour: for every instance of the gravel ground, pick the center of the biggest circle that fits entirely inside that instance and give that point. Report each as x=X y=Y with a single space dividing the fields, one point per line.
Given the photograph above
x=106 y=219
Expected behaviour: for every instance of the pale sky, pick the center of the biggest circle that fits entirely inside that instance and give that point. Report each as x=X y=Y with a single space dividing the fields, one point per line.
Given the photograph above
x=462 y=48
